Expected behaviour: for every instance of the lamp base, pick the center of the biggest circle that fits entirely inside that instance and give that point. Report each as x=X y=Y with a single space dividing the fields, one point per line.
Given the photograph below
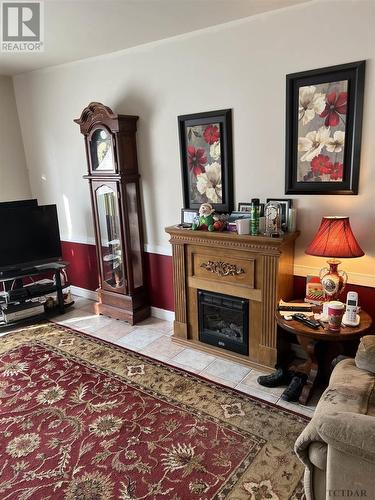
x=332 y=280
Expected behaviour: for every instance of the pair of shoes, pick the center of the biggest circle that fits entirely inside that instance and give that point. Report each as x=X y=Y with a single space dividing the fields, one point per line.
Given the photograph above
x=294 y=389
x=279 y=377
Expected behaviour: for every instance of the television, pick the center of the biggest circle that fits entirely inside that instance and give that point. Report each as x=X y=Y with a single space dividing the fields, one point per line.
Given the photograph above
x=29 y=236
x=19 y=203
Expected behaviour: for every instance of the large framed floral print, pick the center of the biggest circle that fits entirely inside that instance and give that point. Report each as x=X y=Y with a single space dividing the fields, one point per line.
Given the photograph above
x=323 y=129
x=206 y=159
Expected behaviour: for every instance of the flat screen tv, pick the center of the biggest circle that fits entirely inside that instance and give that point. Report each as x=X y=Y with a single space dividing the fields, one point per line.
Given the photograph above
x=29 y=236
x=19 y=203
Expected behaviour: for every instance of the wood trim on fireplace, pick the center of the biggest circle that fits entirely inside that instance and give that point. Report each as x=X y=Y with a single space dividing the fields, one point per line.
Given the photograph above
x=266 y=275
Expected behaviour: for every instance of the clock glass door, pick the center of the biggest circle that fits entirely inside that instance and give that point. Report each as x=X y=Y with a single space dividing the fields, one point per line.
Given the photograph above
x=101 y=150
x=112 y=266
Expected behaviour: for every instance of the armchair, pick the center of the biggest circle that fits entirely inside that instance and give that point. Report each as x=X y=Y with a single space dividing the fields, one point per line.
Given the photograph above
x=337 y=447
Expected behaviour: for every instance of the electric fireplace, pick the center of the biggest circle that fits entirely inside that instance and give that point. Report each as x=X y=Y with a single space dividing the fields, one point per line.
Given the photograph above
x=223 y=321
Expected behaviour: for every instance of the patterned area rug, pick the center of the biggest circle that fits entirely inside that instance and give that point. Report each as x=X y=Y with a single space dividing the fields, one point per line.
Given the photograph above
x=84 y=419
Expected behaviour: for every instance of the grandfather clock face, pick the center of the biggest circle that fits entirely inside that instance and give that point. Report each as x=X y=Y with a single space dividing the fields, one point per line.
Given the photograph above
x=101 y=150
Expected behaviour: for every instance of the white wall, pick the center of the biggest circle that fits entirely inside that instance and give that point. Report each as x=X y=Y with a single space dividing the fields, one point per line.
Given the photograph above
x=14 y=179
x=240 y=65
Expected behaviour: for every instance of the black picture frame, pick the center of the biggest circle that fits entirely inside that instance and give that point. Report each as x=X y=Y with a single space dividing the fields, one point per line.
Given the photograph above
x=245 y=207
x=286 y=204
x=192 y=198
x=354 y=74
x=236 y=215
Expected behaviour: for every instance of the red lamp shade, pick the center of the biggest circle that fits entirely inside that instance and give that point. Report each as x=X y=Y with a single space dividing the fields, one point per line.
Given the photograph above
x=335 y=239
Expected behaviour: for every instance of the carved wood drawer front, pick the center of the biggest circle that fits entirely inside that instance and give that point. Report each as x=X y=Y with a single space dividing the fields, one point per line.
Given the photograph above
x=224 y=269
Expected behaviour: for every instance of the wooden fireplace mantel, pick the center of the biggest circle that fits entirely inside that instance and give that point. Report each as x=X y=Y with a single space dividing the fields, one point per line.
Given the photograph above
x=256 y=268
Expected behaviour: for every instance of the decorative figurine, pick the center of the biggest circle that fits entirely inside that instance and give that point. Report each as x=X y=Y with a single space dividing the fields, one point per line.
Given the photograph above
x=207 y=221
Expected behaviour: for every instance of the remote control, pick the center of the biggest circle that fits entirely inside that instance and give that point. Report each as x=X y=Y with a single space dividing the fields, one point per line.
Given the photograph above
x=312 y=323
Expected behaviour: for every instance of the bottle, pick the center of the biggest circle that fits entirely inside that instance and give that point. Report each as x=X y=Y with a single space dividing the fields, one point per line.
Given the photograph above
x=254 y=217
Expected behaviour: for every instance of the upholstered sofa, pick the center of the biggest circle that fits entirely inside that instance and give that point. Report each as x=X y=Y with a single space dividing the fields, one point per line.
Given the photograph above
x=337 y=447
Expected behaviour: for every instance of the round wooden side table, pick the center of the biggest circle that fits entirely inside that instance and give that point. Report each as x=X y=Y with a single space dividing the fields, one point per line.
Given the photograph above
x=309 y=339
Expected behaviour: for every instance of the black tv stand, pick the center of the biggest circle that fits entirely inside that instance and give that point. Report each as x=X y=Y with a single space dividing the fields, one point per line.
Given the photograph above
x=17 y=275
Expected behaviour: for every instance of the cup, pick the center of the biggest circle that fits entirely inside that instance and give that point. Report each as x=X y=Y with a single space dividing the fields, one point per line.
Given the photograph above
x=243 y=226
x=335 y=313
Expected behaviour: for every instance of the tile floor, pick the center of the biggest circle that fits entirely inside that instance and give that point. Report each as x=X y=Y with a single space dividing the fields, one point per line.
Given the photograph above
x=152 y=337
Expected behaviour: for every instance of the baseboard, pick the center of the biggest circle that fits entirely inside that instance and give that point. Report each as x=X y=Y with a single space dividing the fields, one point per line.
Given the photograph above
x=83 y=292
x=156 y=312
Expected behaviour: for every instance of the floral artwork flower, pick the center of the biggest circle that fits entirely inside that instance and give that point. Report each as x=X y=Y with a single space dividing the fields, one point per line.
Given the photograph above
x=204 y=163
x=313 y=143
x=337 y=171
x=310 y=103
x=215 y=151
x=336 y=143
x=196 y=160
x=321 y=165
x=335 y=106
x=209 y=183
x=211 y=134
x=321 y=132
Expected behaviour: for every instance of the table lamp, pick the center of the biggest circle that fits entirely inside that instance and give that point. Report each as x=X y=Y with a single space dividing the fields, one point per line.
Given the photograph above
x=334 y=239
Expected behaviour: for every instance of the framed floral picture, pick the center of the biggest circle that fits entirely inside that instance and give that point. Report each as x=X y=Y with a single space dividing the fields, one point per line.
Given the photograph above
x=323 y=129
x=206 y=159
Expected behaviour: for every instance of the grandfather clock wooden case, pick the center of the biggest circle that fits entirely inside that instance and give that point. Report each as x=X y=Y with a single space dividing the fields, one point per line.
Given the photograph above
x=113 y=177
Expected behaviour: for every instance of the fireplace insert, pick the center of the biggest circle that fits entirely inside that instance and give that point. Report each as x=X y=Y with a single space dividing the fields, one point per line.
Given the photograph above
x=224 y=321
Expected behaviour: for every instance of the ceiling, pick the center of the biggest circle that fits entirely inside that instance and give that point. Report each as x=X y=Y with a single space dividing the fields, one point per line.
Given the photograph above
x=77 y=29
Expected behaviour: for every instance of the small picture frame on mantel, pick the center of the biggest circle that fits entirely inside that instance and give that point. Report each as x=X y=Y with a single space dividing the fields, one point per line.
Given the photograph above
x=188 y=216
x=246 y=207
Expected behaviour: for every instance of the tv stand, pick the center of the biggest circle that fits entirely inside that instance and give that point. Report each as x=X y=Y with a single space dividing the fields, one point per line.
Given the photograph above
x=16 y=275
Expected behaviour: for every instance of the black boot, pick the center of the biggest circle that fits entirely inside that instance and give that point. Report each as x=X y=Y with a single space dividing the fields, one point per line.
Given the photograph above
x=294 y=389
x=279 y=377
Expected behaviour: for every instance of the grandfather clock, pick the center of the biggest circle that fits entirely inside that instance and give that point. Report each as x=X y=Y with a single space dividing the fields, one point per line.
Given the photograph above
x=113 y=177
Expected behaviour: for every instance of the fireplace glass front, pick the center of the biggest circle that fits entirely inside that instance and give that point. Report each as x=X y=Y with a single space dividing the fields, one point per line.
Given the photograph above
x=224 y=321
